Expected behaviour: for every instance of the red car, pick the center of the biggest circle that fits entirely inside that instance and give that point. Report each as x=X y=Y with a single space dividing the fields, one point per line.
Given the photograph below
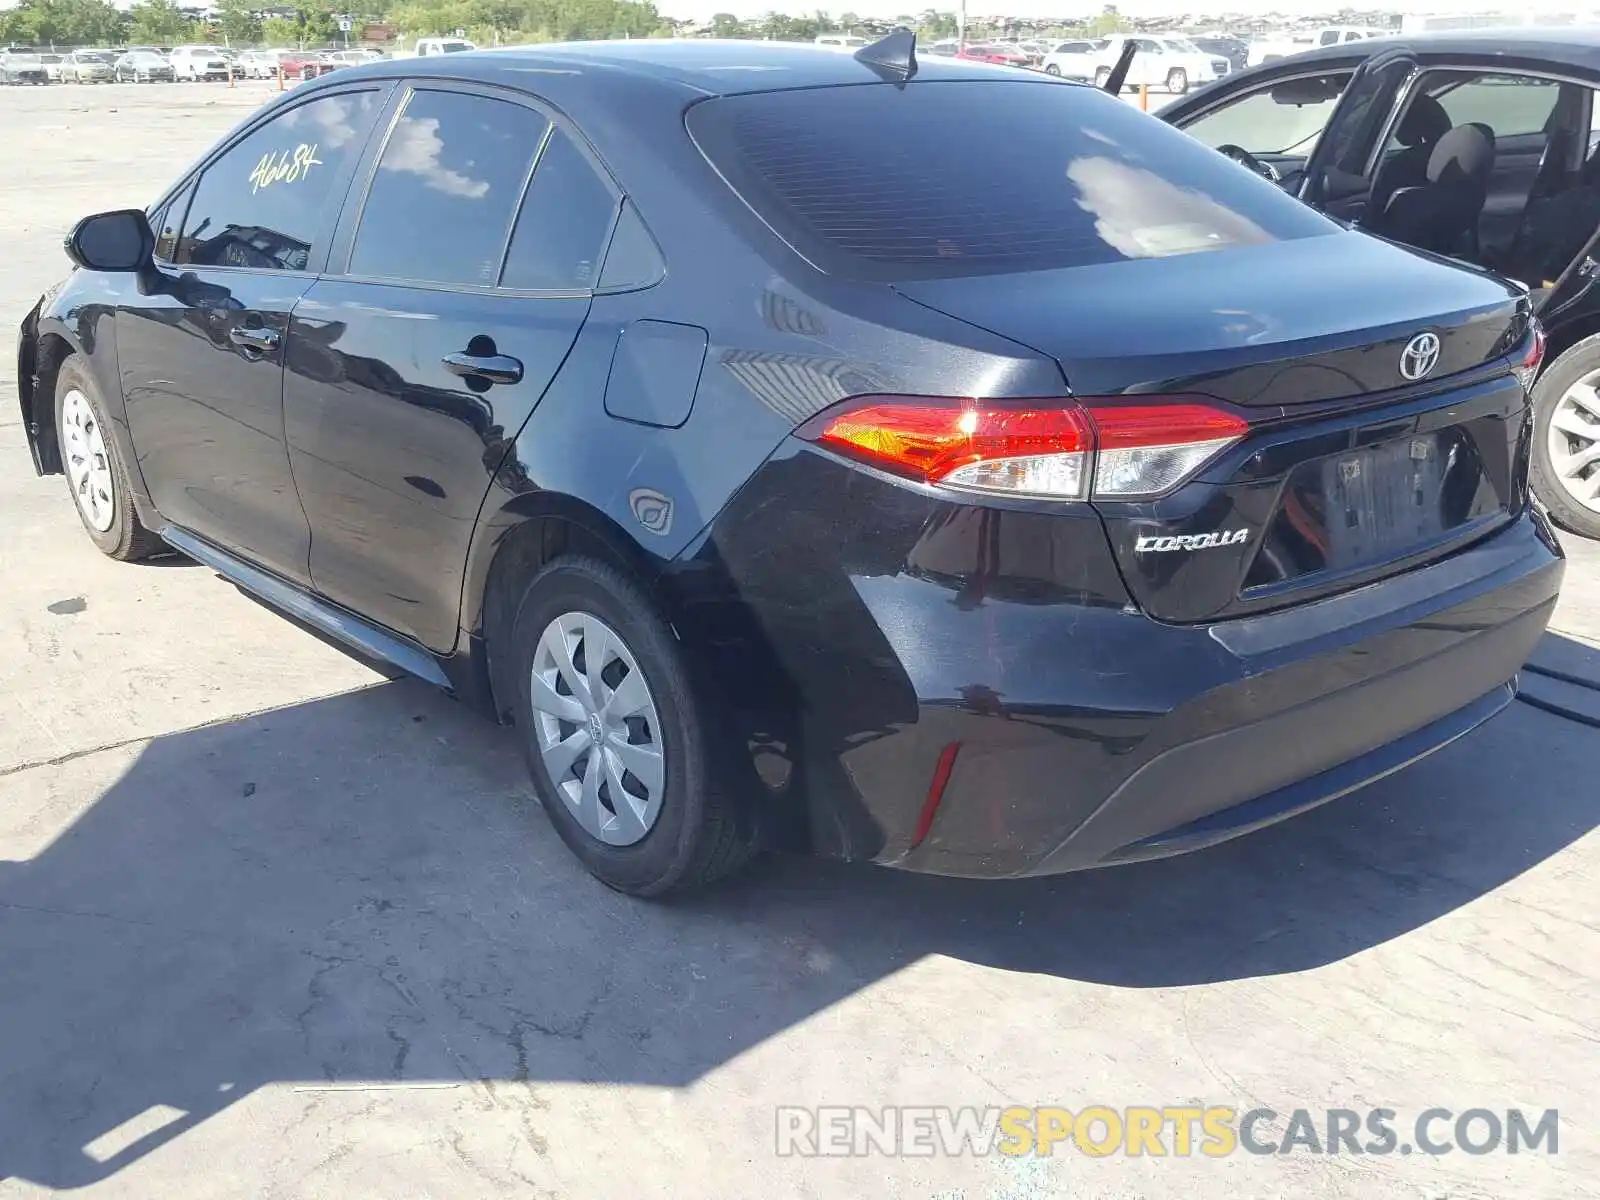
x=305 y=64
x=1003 y=55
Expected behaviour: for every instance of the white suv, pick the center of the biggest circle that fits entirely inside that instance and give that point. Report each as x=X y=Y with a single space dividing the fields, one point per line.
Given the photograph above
x=1165 y=61
x=198 y=62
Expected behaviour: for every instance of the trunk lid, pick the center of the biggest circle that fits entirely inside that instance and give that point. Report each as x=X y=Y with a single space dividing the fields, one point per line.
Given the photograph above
x=1350 y=472
x=1291 y=322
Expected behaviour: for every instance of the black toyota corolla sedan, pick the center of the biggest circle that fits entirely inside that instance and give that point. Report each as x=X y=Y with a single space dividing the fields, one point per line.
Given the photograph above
x=932 y=463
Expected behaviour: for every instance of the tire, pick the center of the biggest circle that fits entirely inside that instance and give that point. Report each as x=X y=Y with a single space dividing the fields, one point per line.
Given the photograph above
x=696 y=833
x=1101 y=75
x=1549 y=399
x=1177 y=81
x=1052 y=69
x=123 y=536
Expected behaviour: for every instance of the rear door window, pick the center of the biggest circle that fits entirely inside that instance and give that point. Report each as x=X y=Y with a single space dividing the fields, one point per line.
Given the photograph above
x=867 y=182
x=565 y=222
x=447 y=184
x=264 y=202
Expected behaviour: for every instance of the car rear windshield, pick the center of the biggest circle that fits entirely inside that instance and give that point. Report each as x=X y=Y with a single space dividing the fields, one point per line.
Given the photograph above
x=946 y=178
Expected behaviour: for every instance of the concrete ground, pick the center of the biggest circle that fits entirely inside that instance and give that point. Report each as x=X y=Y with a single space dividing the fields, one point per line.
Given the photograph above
x=271 y=925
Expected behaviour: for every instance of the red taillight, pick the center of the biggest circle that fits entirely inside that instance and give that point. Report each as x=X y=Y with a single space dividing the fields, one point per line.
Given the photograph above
x=1528 y=369
x=1066 y=449
x=963 y=441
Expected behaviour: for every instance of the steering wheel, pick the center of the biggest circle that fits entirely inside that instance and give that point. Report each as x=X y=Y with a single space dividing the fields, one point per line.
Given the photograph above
x=1245 y=159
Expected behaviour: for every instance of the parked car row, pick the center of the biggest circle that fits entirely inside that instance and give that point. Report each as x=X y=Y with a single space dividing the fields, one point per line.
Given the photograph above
x=164 y=64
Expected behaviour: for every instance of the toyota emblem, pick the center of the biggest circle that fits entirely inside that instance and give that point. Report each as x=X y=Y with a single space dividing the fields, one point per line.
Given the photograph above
x=1419 y=356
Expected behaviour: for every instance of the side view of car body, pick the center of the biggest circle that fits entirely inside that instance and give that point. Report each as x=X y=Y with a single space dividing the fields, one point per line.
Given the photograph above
x=1080 y=58
x=990 y=52
x=1480 y=145
x=142 y=66
x=88 y=66
x=261 y=64
x=305 y=64
x=960 y=516
x=1171 y=63
x=198 y=63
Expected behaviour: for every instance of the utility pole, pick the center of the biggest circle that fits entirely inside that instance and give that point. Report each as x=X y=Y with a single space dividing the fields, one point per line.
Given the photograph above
x=961 y=25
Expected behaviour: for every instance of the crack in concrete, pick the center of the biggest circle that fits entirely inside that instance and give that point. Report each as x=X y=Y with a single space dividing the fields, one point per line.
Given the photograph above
x=72 y=755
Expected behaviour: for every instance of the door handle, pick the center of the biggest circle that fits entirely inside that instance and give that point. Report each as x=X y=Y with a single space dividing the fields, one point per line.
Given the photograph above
x=254 y=337
x=496 y=368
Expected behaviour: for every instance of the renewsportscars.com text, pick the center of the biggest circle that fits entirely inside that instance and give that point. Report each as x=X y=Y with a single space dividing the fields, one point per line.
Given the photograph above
x=1159 y=1131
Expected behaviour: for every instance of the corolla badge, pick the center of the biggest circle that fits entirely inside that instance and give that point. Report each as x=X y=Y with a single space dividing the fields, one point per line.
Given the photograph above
x=1419 y=356
x=1150 y=544
x=652 y=510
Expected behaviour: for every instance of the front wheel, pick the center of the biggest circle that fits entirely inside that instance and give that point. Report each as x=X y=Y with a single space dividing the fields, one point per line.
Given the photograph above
x=1102 y=76
x=1565 y=472
x=620 y=752
x=95 y=471
x=1177 y=81
x=1052 y=69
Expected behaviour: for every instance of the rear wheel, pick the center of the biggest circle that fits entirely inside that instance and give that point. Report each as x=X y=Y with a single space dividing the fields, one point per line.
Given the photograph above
x=95 y=471
x=1566 y=440
x=1177 y=81
x=620 y=753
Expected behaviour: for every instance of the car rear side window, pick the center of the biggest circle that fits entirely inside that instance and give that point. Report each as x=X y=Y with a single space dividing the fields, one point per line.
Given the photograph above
x=262 y=203
x=565 y=222
x=446 y=189
x=871 y=182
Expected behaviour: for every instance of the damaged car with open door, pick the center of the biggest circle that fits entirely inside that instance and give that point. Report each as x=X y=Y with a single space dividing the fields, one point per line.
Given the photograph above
x=1481 y=146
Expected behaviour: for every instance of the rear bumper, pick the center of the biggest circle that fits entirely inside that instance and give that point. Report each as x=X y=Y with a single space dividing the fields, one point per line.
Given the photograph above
x=1086 y=737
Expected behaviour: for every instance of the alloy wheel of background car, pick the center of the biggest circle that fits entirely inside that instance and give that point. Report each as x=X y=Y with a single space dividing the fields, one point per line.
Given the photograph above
x=1177 y=81
x=597 y=728
x=87 y=462
x=1052 y=69
x=1574 y=441
x=1101 y=76
x=1565 y=473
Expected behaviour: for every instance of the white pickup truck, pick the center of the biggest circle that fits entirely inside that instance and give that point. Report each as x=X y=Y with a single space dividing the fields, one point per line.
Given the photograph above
x=429 y=46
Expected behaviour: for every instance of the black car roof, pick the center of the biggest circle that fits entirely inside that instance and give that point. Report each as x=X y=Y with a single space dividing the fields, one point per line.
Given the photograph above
x=690 y=66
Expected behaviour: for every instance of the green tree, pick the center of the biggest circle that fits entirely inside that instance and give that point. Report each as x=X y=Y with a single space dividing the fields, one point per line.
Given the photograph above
x=280 y=31
x=726 y=25
x=240 y=27
x=158 y=22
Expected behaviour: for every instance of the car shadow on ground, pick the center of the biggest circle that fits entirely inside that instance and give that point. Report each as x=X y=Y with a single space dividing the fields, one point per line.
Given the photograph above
x=361 y=888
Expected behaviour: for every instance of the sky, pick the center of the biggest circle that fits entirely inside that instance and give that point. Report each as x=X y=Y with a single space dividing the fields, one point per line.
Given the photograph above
x=1198 y=11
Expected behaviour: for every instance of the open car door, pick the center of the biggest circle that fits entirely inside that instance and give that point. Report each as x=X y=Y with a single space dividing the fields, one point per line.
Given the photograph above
x=1339 y=174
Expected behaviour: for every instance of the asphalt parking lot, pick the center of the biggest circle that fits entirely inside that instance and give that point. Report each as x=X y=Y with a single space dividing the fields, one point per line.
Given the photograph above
x=272 y=924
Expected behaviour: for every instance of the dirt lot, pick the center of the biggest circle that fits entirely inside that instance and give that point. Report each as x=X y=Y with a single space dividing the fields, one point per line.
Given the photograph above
x=271 y=925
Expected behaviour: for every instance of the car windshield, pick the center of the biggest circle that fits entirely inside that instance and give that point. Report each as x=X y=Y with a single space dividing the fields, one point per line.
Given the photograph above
x=455 y=47
x=865 y=182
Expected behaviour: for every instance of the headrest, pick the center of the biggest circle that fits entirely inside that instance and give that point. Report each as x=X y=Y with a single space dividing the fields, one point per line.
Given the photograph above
x=1425 y=122
x=1464 y=152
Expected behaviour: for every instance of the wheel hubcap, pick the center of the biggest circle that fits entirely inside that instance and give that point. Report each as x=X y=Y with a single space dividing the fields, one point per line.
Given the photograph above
x=1574 y=442
x=88 y=465
x=597 y=728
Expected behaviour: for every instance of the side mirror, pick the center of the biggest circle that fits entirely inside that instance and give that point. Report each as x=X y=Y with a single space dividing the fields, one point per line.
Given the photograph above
x=112 y=241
